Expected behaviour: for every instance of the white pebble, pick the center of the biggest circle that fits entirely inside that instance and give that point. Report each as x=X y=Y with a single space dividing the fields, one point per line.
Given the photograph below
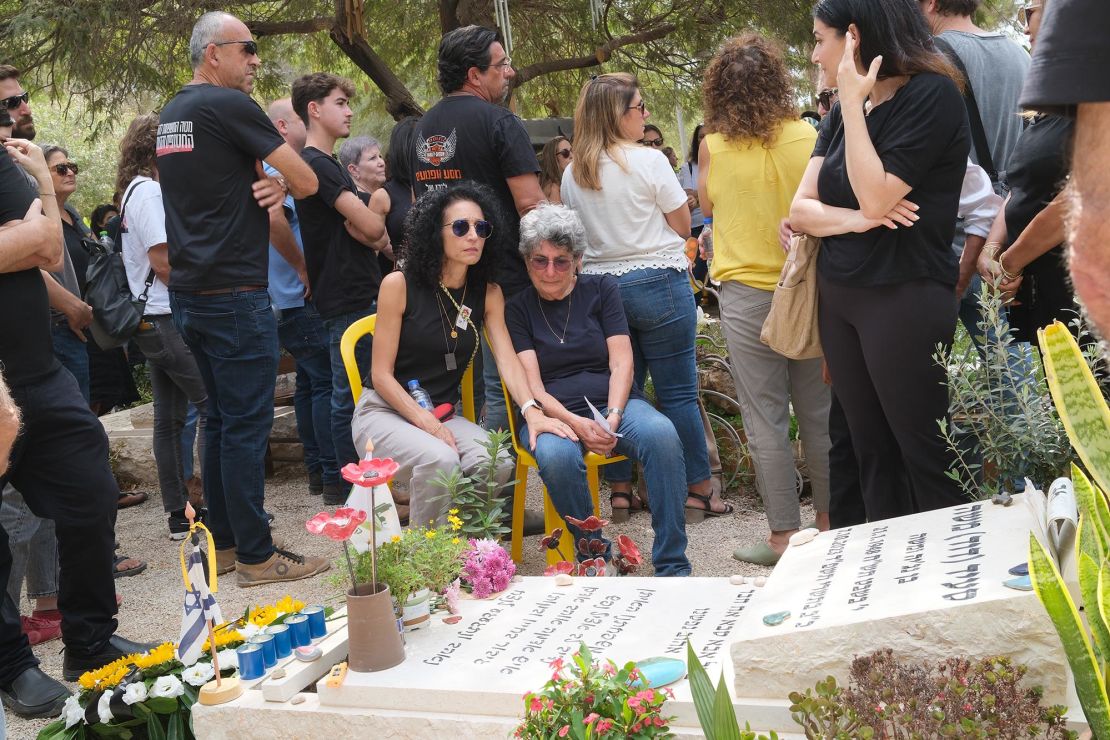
x=516 y=579
x=760 y=581
x=563 y=579
x=298 y=699
x=278 y=673
x=737 y=580
x=803 y=536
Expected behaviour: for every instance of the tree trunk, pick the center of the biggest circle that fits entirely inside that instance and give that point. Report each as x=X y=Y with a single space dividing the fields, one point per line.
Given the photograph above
x=399 y=101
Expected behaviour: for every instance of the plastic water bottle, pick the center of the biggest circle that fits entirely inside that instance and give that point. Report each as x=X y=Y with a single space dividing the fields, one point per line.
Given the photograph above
x=707 y=243
x=420 y=395
x=107 y=242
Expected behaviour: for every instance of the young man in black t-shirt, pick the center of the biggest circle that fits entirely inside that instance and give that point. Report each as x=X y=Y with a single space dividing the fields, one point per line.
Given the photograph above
x=59 y=461
x=340 y=234
x=467 y=135
x=212 y=139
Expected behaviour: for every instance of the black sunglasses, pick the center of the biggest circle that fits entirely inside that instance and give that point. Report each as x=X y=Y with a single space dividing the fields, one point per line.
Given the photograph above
x=61 y=169
x=461 y=227
x=825 y=97
x=641 y=107
x=251 y=47
x=15 y=100
x=564 y=153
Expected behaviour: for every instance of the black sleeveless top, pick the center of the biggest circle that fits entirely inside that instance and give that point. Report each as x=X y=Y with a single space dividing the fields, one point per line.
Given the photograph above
x=400 y=203
x=426 y=338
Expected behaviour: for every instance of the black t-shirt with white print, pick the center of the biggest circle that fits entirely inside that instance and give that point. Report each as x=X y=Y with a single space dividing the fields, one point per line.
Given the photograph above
x=921 y=135
x=466 y=138
x=342 y=271
x=209 y=142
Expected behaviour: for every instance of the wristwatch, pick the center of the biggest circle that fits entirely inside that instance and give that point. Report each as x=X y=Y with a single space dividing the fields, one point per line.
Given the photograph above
x=529 y=404
x=616 y=410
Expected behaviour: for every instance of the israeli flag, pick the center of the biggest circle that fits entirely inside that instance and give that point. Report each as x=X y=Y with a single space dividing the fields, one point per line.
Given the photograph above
x=200 y=606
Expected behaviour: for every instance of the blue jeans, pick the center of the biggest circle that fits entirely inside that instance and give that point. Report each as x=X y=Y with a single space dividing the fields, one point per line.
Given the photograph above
x=650 y=438
x=496 y=415
x=34 y=548
x=73 y=355
x=302 y=334
x=233 y=337
x=662 y=322
x=342 y=402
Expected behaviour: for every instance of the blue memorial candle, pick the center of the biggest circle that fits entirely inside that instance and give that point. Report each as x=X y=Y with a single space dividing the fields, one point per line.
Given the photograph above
x=299 y=629
x=269 y=651
x=283 y=643
x=316 y=626
x=251 y=662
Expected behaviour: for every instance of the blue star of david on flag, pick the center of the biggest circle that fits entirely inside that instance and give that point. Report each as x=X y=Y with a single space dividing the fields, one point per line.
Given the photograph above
x=199 y=606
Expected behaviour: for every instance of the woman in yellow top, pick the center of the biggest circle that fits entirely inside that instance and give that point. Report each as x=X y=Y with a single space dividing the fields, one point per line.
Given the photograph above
x=750 y=164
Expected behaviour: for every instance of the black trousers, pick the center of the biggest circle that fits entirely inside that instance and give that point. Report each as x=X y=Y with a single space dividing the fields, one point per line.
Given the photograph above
x=846 y=507
x=60 y=465
x=879 y=344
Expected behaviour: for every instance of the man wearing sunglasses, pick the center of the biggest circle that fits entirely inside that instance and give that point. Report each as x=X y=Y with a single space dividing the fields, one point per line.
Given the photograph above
x=17 y=102
x=340 y=233
x=211 y=141
x=467 y=135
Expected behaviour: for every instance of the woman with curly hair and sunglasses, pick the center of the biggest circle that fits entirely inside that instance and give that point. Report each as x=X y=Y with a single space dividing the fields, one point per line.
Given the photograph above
x=637 y=221
x=750 y=164
x=430 y=315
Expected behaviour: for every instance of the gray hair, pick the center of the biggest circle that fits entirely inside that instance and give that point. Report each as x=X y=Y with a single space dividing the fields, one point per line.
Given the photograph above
x=352 y=149
x=557 y=224
x=206 y=31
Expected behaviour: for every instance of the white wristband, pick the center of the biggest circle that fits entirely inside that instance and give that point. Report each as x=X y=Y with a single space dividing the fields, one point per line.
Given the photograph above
x=529 y=404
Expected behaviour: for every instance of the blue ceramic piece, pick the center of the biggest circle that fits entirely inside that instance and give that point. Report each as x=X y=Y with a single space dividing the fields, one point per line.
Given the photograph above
x=1021 y=583
x=1021 y=569
x=775 y=619
x=656 y=672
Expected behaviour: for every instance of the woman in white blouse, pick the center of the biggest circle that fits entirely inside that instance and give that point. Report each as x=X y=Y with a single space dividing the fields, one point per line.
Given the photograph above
x=637 y=222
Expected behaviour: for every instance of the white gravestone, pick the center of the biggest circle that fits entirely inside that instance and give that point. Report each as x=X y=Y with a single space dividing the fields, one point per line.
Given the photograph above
x=929 y=586
x=503 y=645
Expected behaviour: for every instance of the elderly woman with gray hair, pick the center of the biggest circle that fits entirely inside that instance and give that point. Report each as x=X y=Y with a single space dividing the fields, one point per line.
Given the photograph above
x=571 y=335
x=362 y=157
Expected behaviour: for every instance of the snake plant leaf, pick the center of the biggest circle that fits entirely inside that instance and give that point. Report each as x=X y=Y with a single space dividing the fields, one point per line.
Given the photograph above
x=1092 y=504
x=1089 y=684
x=1091 y=587
x=1078 y=400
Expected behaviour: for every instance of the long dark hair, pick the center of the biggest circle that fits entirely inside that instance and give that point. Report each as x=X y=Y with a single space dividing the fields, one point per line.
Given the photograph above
x=895 y=29
x=693 y=155
x=424 y=234
x=401 y=148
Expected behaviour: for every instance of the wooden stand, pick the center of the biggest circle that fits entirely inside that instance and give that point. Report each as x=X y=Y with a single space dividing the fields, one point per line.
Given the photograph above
x=227 y=689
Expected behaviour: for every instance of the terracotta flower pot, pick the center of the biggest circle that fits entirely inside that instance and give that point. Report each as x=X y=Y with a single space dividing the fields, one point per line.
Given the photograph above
x=374 y=642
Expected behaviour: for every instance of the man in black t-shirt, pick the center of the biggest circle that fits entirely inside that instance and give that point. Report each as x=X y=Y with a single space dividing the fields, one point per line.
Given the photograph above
x=339 y=232
x=1069 y=75
x=212 y=139
x=468 y=136
x=59 y=461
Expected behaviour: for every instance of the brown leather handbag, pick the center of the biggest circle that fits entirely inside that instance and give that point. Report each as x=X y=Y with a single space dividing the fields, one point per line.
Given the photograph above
x=791 y=326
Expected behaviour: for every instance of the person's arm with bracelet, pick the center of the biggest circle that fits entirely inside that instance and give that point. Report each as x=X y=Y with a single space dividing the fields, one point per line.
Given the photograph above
x=1045 y=231
x=387 y=337
x=512 y=373
x=588 y=431
x=979 y=205
x=620 y=377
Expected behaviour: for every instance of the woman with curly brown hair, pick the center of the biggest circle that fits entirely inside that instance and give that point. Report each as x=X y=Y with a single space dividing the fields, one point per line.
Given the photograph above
x=749 y=166
x=175 y=380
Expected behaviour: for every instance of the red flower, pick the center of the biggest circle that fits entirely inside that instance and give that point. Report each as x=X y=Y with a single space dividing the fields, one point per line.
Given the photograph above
x=628 y=550
x=604 y=726
x=591 y=524
x=551 y=541
x=369 y=473
x=338 y=526
x=592 y=568
x=561 y=567
x=590 y=718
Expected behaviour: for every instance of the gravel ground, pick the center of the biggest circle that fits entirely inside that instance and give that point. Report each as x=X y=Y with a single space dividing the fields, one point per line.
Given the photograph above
x=151 y=608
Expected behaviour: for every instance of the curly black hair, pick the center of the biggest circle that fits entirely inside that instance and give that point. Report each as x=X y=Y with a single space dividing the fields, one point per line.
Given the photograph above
x=423 y=254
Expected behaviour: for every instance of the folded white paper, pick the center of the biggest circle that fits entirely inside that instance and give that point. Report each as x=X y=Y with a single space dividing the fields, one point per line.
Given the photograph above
x=601 y=420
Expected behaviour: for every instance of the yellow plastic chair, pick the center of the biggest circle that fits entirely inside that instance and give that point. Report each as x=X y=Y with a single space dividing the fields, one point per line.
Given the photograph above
x=551 y=518
x=364 y=326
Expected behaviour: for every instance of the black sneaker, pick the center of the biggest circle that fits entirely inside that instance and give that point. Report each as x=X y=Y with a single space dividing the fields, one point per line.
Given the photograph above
x=116 y=647
x=269 y=519
x=34 y=694
x=335 y=494
x=315 y=483
x=179 y=525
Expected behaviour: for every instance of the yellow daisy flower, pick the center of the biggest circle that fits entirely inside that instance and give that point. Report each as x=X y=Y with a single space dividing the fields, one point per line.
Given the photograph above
x=395 y=538
x=431 y=534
